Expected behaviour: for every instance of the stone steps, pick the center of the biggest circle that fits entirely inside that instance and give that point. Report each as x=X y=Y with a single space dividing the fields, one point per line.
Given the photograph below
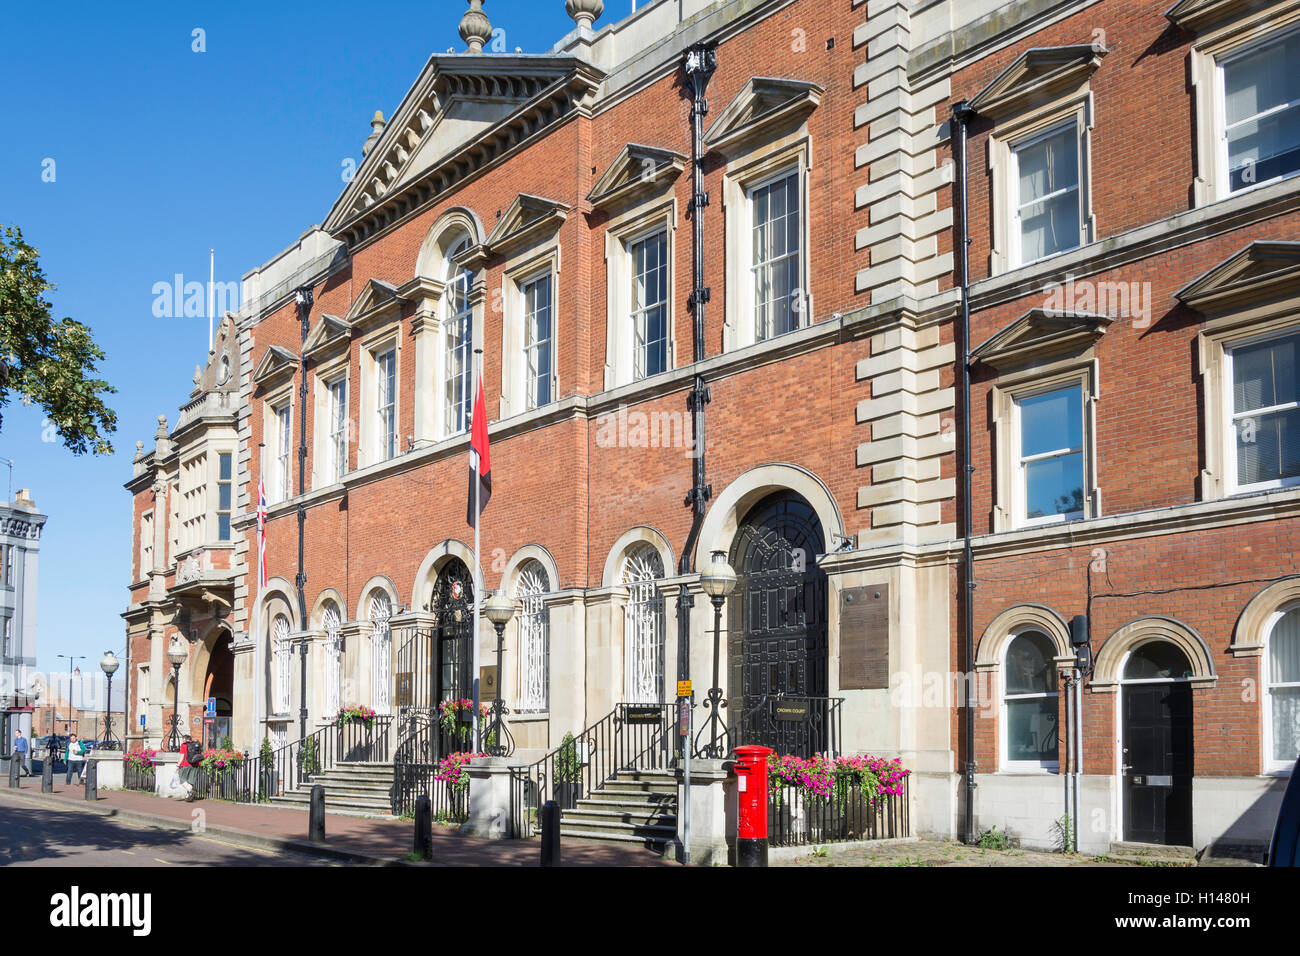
x=351 y=789
x=632 y=807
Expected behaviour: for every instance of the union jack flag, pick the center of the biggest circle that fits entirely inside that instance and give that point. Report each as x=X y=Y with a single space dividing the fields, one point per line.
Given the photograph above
x=261 y=531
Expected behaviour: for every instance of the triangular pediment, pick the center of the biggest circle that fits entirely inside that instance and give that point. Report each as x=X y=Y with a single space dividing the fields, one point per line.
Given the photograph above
x=375 y=299
x=763 y=105
x=1259 y=271
x=330 y=333
x=636 y=171
x=277 y=363
x=462 y=111
x=1196 y=15
x=527 y=219
x=1040 y=334
x=1038 y=75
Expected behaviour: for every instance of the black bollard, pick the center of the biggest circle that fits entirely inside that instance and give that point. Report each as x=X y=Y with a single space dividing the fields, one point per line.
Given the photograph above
x=423 y=828
x=13 y=771
x=550 y=833
x=47 y=774
x=316 y=825
x=92 y=779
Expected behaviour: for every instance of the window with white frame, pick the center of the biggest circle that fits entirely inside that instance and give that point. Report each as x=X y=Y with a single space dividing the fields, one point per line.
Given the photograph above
x=1047 y=212
x=1282 y=700
x=1264 y=438
x=775 y=244
x=1050 y=468
x=1260 y=92
x=649 y=261
x=8 y=633
x=1029 y=704
x=643 y=627
x=194 y=501
x=539 y=352
x=534 y=639
x=458 y=345
x=225 y=494
x=281 y=651
x=386 y=405
x=281 y=468
x=338 y=424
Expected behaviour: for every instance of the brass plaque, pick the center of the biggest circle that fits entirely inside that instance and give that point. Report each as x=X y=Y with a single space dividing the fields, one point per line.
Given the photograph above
x=864 y=638
x=791 y=710
x=403 y=694
x=487 y=683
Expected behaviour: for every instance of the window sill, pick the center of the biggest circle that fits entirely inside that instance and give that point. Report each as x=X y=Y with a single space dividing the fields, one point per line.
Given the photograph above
x=531 y=716
x=1029 y=772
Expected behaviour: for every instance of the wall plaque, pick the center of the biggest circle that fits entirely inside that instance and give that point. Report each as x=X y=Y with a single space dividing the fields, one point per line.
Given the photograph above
x=403 y=695
x=487 y=684
x=864 y=638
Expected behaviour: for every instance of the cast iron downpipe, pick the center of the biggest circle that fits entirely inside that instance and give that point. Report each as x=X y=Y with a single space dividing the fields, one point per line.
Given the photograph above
x=304 y=299
x=962 y=114
x=700 y=64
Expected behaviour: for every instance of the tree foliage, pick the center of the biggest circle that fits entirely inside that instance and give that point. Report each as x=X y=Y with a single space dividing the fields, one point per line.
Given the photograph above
x=52 y=364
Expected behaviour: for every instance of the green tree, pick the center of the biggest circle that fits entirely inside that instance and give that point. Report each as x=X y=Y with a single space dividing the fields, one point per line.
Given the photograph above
x=48 y=362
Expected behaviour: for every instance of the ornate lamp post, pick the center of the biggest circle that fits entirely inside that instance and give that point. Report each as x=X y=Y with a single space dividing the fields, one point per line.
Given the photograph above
x=177 y=654
x=108 y=664
x=499 y=609
x=718 y=581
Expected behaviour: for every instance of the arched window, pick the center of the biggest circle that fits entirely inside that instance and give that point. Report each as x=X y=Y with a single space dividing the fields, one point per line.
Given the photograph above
x=1029 y=704
x=457 y=385
x=534 y=639
x=643 y=629
x=332 y=624
x=1282 y=698
x=381 y=609
x=281 y=650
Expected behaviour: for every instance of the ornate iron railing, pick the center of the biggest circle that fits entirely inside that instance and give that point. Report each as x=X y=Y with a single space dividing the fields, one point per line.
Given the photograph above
x=630 y=737
x=414 y=780
x=798 y=726
x=138 y=778
x=796 y=817
x=292 y=766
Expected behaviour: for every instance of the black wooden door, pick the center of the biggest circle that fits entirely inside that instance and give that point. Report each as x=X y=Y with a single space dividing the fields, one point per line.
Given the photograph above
x=777 y=642
x=1158 y=763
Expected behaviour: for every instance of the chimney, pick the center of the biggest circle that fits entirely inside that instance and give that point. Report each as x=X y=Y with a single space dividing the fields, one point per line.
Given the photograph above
x=24 y=499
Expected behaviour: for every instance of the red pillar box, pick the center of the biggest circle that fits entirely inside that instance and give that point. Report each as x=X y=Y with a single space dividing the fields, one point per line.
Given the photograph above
x=751 y=816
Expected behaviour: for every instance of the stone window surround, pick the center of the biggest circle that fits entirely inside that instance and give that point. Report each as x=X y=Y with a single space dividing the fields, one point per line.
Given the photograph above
x=516 y=274
x=328 y=374
x=761 y=162
x=272 y=402
x=1220 y=336
x=658 y=213
x=1010 y=133
x=1005 y=764
x=1270 y=766
x=1250 y=639
x=381 y=340
x=1210 y=48
x=1007 y=390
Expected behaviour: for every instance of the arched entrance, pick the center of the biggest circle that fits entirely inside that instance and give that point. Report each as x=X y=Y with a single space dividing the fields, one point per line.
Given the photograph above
x=1156 y=744
x=777 y=635
x=452 y=603
x=219 y=683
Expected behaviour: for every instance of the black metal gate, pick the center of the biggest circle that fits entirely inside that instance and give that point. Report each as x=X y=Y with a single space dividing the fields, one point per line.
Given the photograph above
x=777 y=642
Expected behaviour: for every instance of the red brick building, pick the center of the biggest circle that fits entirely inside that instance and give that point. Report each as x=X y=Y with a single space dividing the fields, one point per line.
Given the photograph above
x=541 y=209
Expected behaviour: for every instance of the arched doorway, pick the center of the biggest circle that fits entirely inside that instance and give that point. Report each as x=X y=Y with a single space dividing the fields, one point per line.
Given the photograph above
x=452 y=604
x=777 y=635
x=219 y=684
x=1156 y=745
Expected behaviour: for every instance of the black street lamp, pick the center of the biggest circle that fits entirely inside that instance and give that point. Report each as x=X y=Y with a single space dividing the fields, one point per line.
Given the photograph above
x=718 y=580
x=499 y=609
x=177 y=654
x=108 y=664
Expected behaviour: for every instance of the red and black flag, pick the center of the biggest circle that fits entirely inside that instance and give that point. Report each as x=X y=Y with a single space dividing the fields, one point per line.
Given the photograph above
x=480 y=465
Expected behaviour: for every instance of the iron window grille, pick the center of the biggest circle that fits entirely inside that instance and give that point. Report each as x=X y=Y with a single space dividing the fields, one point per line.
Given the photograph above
x=534 y=640
x=644 y=626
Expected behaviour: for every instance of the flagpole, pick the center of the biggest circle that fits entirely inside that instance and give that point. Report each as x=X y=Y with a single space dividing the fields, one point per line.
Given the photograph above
x=478 y=566
x=212 y=274
x=259 y=662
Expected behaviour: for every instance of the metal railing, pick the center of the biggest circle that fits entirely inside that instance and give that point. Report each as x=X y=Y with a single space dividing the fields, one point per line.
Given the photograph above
x=414 y=780
x=796 y=817
x=790 y=725
x=138 y=778
x=295 y=764
x=630 y=737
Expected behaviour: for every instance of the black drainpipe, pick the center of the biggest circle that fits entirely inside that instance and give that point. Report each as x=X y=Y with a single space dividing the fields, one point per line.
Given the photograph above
x=304 y=299
x=700 y=64
x=962 y=115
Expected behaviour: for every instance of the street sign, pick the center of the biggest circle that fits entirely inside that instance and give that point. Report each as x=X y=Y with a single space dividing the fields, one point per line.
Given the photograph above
x=642 y=714
x=684 y=717
x=209 y=720
x=212 y=707
x=683 y=688
x=142 y=720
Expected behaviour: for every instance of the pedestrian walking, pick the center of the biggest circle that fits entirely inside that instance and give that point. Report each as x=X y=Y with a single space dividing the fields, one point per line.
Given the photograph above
x=21 y=748
x=187 y=770
x=76 y=754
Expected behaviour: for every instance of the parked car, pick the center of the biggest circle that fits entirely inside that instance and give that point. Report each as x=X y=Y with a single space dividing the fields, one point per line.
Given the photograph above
x=1285 y=848
x=41 y=750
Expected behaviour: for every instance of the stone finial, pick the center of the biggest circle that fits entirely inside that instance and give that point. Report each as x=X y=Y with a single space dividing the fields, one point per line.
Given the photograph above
x=584 y=12
x=139 y=448
x=161 y=431
x=475 y=28
x=198 y=373
x=376 y=130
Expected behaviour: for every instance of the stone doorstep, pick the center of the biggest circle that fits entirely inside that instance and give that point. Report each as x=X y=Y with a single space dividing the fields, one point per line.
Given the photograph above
x=1156 y=852
x=787 y=853
x=227 y=834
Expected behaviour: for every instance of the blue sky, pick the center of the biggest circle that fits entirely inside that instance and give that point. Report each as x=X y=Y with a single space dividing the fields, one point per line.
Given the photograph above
x=159 y=154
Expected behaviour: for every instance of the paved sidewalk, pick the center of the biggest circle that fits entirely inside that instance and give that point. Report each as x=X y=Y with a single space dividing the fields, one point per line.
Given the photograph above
x=353 y=839
x=927 y=853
